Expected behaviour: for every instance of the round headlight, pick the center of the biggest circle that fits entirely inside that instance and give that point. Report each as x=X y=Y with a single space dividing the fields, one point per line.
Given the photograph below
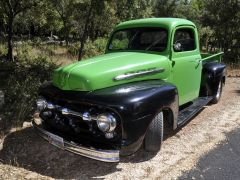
x=106 y=122
x=41 y=104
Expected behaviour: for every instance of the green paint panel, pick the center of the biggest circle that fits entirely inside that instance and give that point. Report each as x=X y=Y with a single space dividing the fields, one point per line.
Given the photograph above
x=99 y=72
x=168 y=23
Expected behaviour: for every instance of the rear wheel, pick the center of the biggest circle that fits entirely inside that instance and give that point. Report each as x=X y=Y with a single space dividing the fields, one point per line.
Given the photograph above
x=218 y=95
x=154 y=135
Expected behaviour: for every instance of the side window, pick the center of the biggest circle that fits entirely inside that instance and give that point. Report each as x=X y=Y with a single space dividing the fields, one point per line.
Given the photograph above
x=184 y=40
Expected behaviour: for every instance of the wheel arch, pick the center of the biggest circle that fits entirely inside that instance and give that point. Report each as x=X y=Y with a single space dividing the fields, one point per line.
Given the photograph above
x=212 y=74
x=138 y=107
x=168 y=119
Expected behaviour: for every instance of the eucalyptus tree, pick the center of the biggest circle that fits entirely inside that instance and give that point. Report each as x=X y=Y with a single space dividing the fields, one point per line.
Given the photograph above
x=97 y=18
x=88 y=12
x=224 y=19
x=41 y=20
x=10 y=9
x=134 y=9
x=165 y=8
x=66 y=10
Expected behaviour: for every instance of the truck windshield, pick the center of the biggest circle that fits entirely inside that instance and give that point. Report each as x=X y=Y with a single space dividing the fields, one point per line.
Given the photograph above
x=146 y=39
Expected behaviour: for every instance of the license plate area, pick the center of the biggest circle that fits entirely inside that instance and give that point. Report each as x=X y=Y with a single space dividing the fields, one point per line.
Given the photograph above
x=56 y=140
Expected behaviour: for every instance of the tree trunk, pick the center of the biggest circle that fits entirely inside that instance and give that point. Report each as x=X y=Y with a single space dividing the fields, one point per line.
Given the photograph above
x=10 y=40
x=66 y=32
x=80 y=54
x=83 y=38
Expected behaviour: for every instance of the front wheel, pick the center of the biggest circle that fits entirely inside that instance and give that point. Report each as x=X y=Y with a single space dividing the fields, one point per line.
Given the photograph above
x=154 y=135
x=217 y=96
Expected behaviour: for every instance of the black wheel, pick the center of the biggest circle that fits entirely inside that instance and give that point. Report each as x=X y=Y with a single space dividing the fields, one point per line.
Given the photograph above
x=154 y=135
x=218 y=95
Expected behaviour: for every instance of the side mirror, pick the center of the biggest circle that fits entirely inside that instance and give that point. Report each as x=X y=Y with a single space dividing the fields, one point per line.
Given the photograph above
x=177 y=47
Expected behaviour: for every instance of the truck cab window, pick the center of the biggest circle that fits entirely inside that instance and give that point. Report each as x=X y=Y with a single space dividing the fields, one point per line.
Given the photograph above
x=184 y=40
x=139 y=39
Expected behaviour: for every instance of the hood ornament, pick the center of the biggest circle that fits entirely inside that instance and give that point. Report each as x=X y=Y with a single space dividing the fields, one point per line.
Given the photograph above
x=132 y=75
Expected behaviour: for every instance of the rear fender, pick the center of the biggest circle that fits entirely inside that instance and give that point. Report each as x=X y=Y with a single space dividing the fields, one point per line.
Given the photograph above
x=212 y=74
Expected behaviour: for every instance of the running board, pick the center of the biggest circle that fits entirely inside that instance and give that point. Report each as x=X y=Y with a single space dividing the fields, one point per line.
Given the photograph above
x=187 y=113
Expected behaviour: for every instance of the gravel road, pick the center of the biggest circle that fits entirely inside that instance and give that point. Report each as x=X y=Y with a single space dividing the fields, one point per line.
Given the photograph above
x=24 y=155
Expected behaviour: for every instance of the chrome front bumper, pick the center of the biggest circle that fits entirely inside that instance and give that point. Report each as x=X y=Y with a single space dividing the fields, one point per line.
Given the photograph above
x=97 y=154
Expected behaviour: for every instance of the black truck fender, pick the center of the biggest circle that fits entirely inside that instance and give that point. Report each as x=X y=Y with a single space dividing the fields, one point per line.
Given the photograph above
x=137 y=104
x=212 y=74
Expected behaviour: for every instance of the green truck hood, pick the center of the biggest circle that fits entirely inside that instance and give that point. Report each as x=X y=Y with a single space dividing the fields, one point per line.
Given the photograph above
x=99 y=72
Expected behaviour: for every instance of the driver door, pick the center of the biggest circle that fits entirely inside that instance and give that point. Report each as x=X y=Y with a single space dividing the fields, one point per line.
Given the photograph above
x=186 y=63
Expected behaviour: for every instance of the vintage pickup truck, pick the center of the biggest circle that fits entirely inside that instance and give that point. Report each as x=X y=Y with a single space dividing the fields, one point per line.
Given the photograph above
x=151 y=79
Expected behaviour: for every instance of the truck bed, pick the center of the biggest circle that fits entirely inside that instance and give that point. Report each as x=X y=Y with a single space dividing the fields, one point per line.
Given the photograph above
x=206 y=57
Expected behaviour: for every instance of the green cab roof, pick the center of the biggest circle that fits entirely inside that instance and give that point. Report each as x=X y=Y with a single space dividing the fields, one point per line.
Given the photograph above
x=168 y=23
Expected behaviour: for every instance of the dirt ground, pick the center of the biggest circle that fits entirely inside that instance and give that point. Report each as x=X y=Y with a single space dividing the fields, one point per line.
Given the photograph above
x=24 y=155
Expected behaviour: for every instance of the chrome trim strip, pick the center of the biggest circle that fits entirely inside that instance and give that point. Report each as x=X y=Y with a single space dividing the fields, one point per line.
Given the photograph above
x=66 y=111
x=138 y=74
x=97 y=154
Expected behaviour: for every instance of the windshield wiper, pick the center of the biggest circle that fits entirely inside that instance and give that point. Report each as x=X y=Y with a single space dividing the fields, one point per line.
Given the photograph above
x=153 y=44
x=134 y=36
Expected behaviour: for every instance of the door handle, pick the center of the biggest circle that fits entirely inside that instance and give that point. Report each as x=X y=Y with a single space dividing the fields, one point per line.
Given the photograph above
x=199 y=61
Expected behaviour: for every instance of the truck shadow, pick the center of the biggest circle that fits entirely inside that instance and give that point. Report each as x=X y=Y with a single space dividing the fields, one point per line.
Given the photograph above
x=27 y=150
x=141 y=155
x=237 y=91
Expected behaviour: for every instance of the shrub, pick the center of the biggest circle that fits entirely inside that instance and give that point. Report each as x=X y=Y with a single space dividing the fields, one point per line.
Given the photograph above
x=22 y=89
x=91 y=49
x=73 y=49
x=3 y=50
x=95 y=48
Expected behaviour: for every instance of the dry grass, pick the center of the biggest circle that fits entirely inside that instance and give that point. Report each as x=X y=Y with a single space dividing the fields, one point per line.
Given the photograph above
x=233 y=70
x=57 y=54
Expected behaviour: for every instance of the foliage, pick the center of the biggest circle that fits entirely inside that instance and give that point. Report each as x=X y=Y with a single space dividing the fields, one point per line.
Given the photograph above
x=3 y=50
x=134 y=9
x=21 y=91
x=165 y=8
x=95 y=48
x=224 y=19
x=92 y=48
x=84 y=21
x=10 y=9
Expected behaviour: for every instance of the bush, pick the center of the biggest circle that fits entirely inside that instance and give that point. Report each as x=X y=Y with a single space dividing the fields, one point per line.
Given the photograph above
x=23 y=50
x=5 y=69
x=3 y=50
x=22 y=89
x=73 y=49
x=90 y=49
x=95 y=48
